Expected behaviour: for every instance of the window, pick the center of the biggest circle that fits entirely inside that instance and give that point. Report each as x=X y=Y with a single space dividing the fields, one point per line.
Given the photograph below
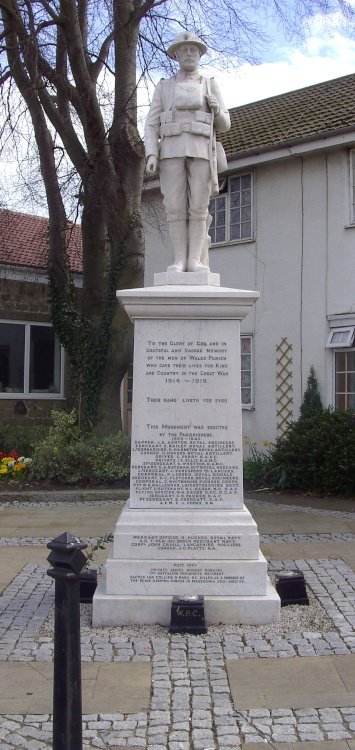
x=218 y=211
x=246 y=370
x=232 y=211
x=345 y=380
x=341 y=337
x=352 y=186
x=130 y=384
x=30 y=360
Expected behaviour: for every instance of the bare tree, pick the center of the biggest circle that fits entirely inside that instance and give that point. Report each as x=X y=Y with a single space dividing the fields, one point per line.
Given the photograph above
x=69 y=76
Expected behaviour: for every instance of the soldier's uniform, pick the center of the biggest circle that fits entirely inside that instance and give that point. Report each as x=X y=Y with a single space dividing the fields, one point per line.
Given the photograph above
x=180 y=131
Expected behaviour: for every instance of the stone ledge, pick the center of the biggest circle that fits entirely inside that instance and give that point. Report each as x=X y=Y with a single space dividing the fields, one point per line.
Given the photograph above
x=64 y=496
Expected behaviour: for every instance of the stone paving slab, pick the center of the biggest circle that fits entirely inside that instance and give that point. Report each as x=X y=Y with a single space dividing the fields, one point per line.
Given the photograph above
x=302 y=500
x=109 y=688
x=310 y=551
x=25 y=519
x=13 y=559
x=307 y=682
x=270 y=521
x=332 y=745
x=99 y=519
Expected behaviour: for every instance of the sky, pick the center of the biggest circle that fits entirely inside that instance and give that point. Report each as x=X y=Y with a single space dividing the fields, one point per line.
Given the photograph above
x=325 y=53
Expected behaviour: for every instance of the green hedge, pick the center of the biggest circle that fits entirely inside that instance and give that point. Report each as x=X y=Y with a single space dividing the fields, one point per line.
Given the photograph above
x=317 y=454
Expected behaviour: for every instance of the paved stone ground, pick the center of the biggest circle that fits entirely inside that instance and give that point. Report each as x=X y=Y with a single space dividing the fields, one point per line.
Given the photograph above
x=191 y=706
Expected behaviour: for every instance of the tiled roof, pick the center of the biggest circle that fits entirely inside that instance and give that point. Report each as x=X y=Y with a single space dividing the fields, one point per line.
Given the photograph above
x=293 y=117
x=23 y=241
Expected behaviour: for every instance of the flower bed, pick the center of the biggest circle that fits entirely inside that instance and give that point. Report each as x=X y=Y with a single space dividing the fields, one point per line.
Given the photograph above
x=12 y=465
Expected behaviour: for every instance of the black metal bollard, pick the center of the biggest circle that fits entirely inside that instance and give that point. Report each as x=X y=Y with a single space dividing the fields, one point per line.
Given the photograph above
x=67 y=560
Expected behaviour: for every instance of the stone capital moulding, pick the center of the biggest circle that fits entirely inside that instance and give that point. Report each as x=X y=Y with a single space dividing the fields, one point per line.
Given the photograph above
x=203 y=302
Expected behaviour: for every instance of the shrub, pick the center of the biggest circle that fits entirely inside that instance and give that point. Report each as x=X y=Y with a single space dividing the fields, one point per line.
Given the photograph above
x=67 y=458
x=20 y=439
x=316 y=454
x=110 y=458
x=64 y=430
x=312 y=402
x=256 y=465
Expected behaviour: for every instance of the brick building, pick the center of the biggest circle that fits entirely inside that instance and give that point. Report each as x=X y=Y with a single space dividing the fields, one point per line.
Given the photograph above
x=33 y=375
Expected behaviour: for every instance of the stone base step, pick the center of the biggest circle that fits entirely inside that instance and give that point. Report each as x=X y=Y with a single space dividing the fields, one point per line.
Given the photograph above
x=110 y=610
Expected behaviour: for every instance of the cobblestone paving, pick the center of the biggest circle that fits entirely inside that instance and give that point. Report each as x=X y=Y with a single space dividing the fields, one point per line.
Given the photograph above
x=191 y=706
x=303 y=538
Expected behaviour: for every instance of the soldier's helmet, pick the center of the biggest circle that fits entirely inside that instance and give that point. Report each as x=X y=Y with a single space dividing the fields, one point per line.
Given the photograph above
x=186 y=37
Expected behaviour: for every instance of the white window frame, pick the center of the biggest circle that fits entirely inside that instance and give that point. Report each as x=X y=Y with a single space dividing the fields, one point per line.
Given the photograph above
x=347 y=337
x=225 y=192
x=346 y=392
x=224 y=197
x=250 y=405
x=26 y=393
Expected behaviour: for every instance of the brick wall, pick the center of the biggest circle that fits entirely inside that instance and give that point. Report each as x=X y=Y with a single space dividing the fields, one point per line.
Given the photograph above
x=24 y=300
x=31 y=412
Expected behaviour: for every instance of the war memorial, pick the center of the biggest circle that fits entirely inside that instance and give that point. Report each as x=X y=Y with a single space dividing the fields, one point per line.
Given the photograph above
x=185 y=530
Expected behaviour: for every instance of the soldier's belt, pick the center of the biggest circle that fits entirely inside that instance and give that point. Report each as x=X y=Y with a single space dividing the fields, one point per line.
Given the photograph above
x=177 y=128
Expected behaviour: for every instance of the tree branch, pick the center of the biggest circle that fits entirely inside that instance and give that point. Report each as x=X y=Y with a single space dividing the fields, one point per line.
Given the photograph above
x=49 y=8
x=143 y=10
x=90 y=112
x=96 y=67
x=5 y=77
x=8 y=7
x=83 y=20
x=62 y=123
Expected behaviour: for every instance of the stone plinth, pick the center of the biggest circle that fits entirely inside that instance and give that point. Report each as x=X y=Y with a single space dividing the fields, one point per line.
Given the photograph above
x=185 y=529
x=197 y=278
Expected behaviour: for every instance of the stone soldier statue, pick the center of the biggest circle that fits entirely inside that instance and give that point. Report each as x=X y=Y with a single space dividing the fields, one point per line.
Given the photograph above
x=180 y=137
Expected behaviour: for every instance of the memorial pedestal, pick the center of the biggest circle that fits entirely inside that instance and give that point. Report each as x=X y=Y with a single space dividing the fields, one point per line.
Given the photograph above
x=185 y=529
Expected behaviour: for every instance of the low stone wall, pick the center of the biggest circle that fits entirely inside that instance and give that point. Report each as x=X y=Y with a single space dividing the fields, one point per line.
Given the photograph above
x=29 y=412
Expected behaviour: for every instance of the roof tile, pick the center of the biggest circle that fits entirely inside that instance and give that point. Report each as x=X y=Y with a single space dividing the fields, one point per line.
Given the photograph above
x=296 y=116
x=24 y=241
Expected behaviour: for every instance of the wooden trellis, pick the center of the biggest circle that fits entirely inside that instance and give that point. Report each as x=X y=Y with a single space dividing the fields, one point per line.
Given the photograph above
x=284 y=387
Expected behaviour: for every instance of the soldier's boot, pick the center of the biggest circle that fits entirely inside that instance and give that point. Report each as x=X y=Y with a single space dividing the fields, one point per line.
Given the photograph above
x=178 y=237
x=197 y=240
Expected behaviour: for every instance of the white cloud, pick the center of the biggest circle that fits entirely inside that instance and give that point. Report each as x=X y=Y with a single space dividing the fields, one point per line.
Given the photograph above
x=323 y=56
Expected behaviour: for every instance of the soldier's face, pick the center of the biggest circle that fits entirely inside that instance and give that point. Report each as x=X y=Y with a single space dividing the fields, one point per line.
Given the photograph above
x=188 y=57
